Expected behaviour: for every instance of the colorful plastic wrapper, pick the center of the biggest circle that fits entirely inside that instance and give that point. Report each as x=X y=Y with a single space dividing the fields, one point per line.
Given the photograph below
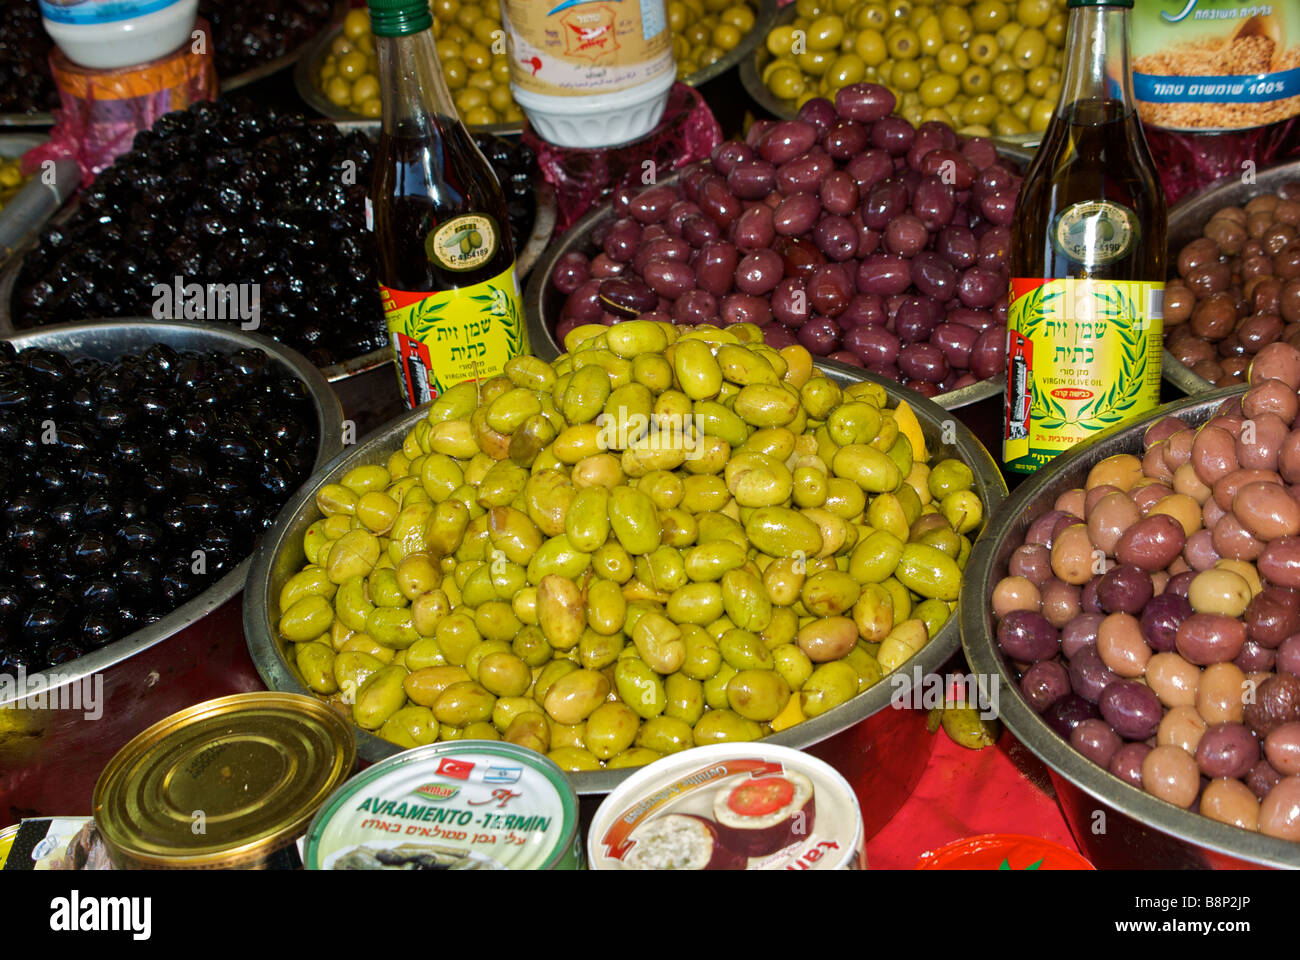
x=584 y=178
x=1189 y=161
x=103 y=110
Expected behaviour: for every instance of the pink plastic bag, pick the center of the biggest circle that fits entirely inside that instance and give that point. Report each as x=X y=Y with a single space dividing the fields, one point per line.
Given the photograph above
x=103 y=110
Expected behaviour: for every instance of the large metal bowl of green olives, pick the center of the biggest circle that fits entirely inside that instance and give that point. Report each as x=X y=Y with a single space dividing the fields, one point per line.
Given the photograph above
x=889 y=750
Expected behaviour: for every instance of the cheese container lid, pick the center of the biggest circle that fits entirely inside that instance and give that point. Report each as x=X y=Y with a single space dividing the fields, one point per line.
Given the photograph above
x=224 y=783
x=464 y=805
x=730 y=806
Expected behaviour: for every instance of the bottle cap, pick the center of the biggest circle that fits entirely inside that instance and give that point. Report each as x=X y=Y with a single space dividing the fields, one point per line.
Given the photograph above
x=1097 y=3
x=399 y=18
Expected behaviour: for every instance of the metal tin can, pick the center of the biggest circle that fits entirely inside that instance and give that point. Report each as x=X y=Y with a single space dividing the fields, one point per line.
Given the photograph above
x=7 y=836
x=465 y=805
x=730 y=807
x=223 y=784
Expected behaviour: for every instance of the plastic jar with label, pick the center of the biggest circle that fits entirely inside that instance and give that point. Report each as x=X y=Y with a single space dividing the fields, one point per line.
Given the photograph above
x=107 y=34
x=590 y=74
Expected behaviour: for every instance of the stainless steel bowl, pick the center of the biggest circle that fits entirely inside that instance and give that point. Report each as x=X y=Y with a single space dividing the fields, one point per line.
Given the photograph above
x=280 y=555
x=308 y=68
x=49 y=759
x=1139 y=829
x=751 y=73
x=543 y=303
x=36 y=201
x=1186 y=220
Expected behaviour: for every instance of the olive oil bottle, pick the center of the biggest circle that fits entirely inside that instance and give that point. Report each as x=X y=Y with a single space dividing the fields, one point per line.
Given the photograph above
x=1085 y=321
x=446 y=258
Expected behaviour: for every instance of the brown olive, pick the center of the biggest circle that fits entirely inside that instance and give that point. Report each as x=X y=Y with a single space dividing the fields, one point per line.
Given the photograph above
x=1196 y=254
x=1279 y=813
x=1170 y=773
x=1181 y=727
x=1173 y=679
x=1227 y=234
x=1112 y=515
x=1230 y=801
x=1219 y=694
x=1214 y=316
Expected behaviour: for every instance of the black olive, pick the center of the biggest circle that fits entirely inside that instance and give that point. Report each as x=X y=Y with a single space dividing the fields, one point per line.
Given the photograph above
x=61 y=651
x=42 y=621
x=97 y=630
x=137 y=574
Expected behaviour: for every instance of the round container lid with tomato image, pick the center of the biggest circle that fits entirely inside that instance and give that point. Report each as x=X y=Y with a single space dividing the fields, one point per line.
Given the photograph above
x=1002 y=851
x=730 y=807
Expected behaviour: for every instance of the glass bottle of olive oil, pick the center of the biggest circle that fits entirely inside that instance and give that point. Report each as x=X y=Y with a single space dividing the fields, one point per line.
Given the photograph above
x=446 y=258
x=1085 y=322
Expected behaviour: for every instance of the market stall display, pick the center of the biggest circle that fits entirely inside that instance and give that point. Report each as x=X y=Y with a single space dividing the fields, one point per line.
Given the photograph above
x=547 y=533
x=1194 y=602
x=990 y=70
x=66 y=498
x=1236 y=254
x=865 y=255
x=337 y=75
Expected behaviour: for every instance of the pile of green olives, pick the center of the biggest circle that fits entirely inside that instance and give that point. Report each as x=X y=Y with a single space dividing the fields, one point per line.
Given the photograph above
x=669 y=537
x=986 y=68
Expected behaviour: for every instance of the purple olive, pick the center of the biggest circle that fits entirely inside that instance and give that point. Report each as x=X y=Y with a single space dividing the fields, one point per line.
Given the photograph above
x=1161 y=618
x=1067 y=713
x=820 y=336
x=1125 y=589
x=923 y=361
x=1089 y=676
x=1044 y=683
x=1227 y=750
x=1132 y=708
x=1096 y=740
x=934 y=276
x=1127 y=763
x=1028 y=637
x=1080 y=633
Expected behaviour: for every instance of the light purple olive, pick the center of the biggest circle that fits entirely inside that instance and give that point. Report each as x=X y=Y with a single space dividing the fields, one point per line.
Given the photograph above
x=1132 y=708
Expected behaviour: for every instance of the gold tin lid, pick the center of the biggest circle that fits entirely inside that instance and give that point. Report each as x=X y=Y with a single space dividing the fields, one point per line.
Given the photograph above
x=224 y=783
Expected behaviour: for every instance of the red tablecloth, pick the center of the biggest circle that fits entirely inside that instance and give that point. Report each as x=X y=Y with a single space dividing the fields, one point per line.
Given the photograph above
x=1001 y=789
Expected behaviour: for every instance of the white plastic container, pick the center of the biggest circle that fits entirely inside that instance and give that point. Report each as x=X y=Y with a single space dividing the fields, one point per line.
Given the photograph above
x=590 y=74
x=108 y=34
x=730 y=806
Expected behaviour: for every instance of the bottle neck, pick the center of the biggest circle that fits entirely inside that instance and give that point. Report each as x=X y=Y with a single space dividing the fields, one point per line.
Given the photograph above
x=1097 y=58
x=412 y=83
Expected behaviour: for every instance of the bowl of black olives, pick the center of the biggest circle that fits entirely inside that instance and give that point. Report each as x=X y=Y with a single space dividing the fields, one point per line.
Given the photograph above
x=143 y=460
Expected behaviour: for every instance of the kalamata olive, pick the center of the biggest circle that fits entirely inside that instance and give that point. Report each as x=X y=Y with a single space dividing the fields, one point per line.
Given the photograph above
x=916 y=319
x=923 y=361
x=1079 y=633
x=1209 y=279
x=1276 y=701
x=980 y=288
x=1161 y=619
x=729 y=153
x=838 y=193
x=999 y=208
x=846 y=140
x=571 y=271
x=1213 y=317
x=933 y=276
x=1227 y=750
x=1044 y=683
x=1288 y=655
x=1279 y=562
x=1152 y=543
x=1262 y=779
x=862 y=309
x=786 y=140
x=830 y=288
x=627 y=296
x=717 y=202
x=1042 y=529
x=905 y=235
x=796 y=214
x=1256 y=658
x=800 y=256
x=790 y=302
x=651 y=205
x=1027 y=636
x=1131 y=708
x=885 y=200
x=671 y=278
x=697 y=230
x=884 y=275
x=804 y=173
x=820 y=336
x=660 y=248
x=1067 y=713
x=715 y=267
x=744 y=308
x=1095 y=739
x=1126 y=763
x=958 y=246
x=893 y=134
x=1272 y=616
x=956 y=340
x=836 y=237
x=1089 y=675
x=603 y=266
x=1196 y=254
x=695 y=307
x=754 y=231
x=994 y=248
x=980 y=151
x=819 y=112
x=1125 y=589
x=934 y=202
x=874 y=344
x=864 y=102
x=1259 y=330
x=988 y=358
x=751 y=179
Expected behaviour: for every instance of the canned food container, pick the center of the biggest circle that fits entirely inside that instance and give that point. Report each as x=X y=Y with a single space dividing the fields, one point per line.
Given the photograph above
x=225 y=784
x=730 y=807
x=466 y=805
x=1002 y=851
x=7 y=836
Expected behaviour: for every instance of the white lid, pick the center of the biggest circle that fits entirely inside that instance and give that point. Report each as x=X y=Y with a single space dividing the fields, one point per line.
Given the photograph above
x=730 y=806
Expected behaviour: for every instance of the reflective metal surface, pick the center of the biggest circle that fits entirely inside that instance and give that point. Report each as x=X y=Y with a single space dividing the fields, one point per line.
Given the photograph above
x=49 y=758
x=1177 y=837
x=751 y=75
x=1186 y=220
x=280 y=555
x=542 y=303
x=27 y=212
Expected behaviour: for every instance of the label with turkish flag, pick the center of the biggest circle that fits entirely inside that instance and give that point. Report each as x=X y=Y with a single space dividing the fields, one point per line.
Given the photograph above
x=460 y=769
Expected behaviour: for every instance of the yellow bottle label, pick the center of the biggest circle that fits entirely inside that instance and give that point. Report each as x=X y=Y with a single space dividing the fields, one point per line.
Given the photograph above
x=1082 y=355
x=442 y=339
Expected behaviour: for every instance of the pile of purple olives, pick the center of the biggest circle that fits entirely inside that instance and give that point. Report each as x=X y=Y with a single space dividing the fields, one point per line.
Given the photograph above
x=1154 y=614
x=847 y=230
